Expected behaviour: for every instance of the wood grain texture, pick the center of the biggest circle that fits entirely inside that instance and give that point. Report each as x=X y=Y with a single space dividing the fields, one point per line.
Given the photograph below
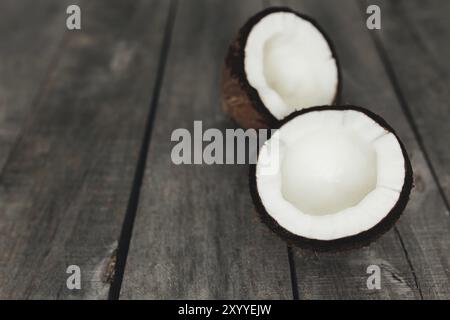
x=26 y=55
x=196 y=235
x=414 y=256
x=73 y=112
x=416 y=36
x=65 y=184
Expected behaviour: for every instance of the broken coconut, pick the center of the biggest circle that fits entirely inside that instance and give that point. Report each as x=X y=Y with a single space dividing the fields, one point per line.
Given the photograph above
x=331 y=178
x=281 y=61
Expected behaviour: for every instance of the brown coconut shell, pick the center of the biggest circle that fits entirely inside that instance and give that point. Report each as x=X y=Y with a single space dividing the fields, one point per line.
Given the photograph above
x=240 y=100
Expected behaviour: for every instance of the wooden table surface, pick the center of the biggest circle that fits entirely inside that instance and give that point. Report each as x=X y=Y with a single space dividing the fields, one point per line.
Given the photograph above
x=86 y=177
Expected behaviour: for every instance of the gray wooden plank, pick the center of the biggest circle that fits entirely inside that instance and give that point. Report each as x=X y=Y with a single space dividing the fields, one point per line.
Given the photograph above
x=196 y=234
x=25 y=55
x=64 y=187
x=430 y=250
x=416 y=36
x=414 y=256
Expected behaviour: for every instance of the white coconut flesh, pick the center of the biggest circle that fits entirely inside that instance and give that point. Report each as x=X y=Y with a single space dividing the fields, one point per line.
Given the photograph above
x=290 y=64
x=330 y=174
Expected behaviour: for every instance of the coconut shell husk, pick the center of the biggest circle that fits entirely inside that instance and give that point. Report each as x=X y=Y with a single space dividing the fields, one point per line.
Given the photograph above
x=240 y=100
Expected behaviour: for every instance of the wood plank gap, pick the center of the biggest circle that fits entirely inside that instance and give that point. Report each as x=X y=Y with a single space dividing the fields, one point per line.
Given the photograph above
x=406 y=109
x=128 y=223
x=416 y=282
x=292 y=267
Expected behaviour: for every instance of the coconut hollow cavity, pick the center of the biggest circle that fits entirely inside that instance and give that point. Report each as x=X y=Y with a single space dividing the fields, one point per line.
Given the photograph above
x=282 y=61
x=331 y=178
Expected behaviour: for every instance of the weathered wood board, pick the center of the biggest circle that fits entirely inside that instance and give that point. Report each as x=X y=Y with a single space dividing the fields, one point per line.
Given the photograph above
x=65 y=184
x=416 y=38
x=26 y=56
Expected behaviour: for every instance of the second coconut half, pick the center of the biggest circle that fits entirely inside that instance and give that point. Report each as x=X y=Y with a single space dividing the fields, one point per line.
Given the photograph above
x=281 y=61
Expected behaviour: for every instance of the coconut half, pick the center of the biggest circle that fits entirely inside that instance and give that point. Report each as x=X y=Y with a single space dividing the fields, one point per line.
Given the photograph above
x=331 y=178
x=281 y=61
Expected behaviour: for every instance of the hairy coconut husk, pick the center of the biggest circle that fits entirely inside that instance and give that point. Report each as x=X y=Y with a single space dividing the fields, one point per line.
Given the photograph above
x=240 y=100
x=237 y=103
